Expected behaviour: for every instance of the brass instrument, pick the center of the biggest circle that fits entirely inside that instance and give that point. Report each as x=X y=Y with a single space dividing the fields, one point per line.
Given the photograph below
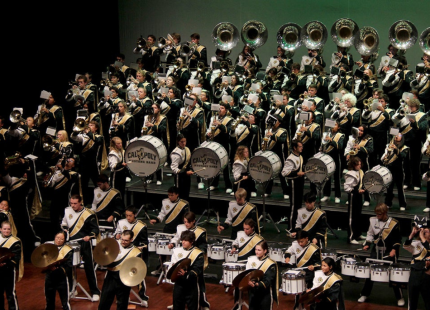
x=288 y=37
x=142 y=44
x=403 y=34
x=225 y=36
x=367 y=103
x=80 y=125
x=425 y=43
x=187 y=49
x=16 y=117
x=12 y=160
x=254 y=34
x=344 y=32
x=298 y=135
x=235 y=123
x=41 y=115
x=390 y=150
x=182 y=119
x=47 y=180
x=314 y=35
x=213 y=127
x=367 y=41
x=354 y=151
x=189 y=87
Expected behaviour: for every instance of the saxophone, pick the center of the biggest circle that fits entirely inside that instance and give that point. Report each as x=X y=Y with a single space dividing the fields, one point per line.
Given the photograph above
x=213 y=127
x=390 y=153
x=182 y=119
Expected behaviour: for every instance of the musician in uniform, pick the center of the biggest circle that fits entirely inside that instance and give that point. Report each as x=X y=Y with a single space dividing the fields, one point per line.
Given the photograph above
x=84 y=95
x=11 y=270
x=59 y=276
x=247 y=133
x=186 y=289
x=240 y=173
x=384 y=233
x=81 y=225
x=108 y=109
x=200 y=52
x=342 y=56
x=112 y=285
x=5 y=214
x=49 y=115
x=313 y=58
x=238 y=212
x=421 y=83
x=296 y=83
x=246 y=240
x=140 y=108
x=280 y=60
x=310 y=136
x=174 y=51
x=396 y=81
x=181 y=167
x=248 y=59
x=151 y=57
x=170 y=107
x=117 y=165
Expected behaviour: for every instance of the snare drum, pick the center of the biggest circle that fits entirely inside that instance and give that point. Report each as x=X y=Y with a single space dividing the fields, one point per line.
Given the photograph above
x=277 y=254
x=377 y=180
x=163 y=247
x=229 y=257
x=400 y=273
x=329 y=253
x=152 y=243
x=145 y=155
x=217 y=251
x=348 y=267
x=76 y=253
x=166 y=267
x=322 y=167
x=264 y=166
x=230 y=271
x=293 y=282
x=380 y=273
x=362 y=270
x=211 y=156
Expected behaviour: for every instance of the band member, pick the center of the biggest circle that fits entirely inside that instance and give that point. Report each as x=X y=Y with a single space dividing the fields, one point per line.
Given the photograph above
x=108 y=203
x=280 y=60
x=366 y=63
x=351 y=116
x=81 y=225
x=11 y=270
x=200 y=52
x=186 y=289
x=181 y=167
x=296 y=84
x=49 y=115
x=59 y=276
x=238 y=212
x=342 y=56
x=248 y=59
x=6 y=215
x=263 y=293
x=246 y=241
x=354 y=187
x=332 y=295
x=392 y=53
x=151 y=57
x=122 y=125
x=384 y=232
x=309 y=135
x=293 y=171
x=312 y=220
x=395 y=154
x=139 y=108
x=170 y=107
x=240 y=173
x=419 y=280
x=173 y=51
x=421 y=82
x=117 y=165
x=313 y=58
x=191 y=124
x=112 y=285
x=247 y=133
x=121 y=70
x=84 y=95
x=108 y=108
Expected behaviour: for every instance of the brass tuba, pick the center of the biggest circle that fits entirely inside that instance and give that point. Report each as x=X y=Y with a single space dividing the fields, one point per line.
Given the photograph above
x=403 y=34
x=254 y=34
x=288 y=37
x=344 y=31
x=225 y=36
x=425 y=41
x=314 y=35
x=16 y=117
x=367 y=41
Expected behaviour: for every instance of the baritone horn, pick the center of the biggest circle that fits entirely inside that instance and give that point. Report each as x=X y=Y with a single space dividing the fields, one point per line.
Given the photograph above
x=79 y=125
x=403 y=34
x=425 y=41
x=314 y=35
x=344 y=31
x=254 y=34
x=141 y=44
x=16 y=117
x=367 y=41
x=288 y=37
x=225 y=36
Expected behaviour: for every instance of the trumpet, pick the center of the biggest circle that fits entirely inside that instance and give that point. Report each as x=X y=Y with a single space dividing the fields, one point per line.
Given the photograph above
x=266 y=139
x=354 y=151
x=41 y=116
x=189 y=87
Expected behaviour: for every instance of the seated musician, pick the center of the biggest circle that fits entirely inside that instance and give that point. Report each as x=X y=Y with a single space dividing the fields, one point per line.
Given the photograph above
x=264 y=292
x=308 y=256
x=112 y=285
x=312 y=220
x=238 y=212
x=331 y=297
x=186 y=289
x=384 y=233
x=11 y=269
x=59 y=277
x=247 y=240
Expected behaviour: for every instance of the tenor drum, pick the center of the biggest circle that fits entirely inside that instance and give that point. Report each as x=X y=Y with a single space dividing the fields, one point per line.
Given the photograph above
x=152 y=243
x=76 y=253
x=145 y=155
x=209 y=159
x=329 y=253
x=277 y=254
x=380 y=273
x=362 y=270
x=163 y=247
x=293 y=282
x=348 y=267
x=400 y=273
x=217 y=251
x=377 y=180
x=229 y=256
x=264 y=166
x=320 y=167
x=230 y=271
x=166 y=267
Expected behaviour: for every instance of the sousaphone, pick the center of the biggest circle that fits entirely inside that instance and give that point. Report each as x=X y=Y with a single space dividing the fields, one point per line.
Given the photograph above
x=254 y=34
x=367 y=41
x=225 y=36
x=288 y=37
x=314 y=35
x=403 y=34
x=425 y=41
x=344 y=31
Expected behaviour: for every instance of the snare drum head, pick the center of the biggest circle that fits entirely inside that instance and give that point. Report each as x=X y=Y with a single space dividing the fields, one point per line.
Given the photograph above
x=212 y=156
x=322 y=167
x=264 y=167
x=145 y=156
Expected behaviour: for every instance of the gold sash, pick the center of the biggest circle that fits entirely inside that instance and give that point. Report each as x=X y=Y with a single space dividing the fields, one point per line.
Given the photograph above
x=380 y=119
x=266 y=265
x=187 y=160
x=79 y=223
x=176 y=210
x=17 y=185
x=137 y=228
x=314 y=218
x=194 y=254
x=64 y=180
x=251 y=244
x=112 y=193
x=334 y=278
x=224 y=122
x=243 y=213
x=9 y=242
x=134 y=252
x=63 y=252
x=307 y=255
x=386 y=232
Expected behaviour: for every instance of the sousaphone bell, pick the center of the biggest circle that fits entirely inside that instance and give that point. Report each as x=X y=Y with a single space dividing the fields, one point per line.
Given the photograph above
x=403 y=34
x=288 y=37
x=425 y=41
x=314 y=35
x=225 y=36
x=344 y=31
x=254 y=34
x=367 y=41
x=79 y=125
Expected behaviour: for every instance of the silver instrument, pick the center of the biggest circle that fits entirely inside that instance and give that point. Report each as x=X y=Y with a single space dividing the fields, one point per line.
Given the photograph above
x=367 y=41
x=288 y=37
x=225 y=36
x=254 y=34
x=16 y=117
x=314 y=35
x=403 y=34
x=425 y=41
x=344 y=32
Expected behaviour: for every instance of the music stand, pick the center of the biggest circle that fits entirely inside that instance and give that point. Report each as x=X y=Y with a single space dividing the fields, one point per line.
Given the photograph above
x=266 y=214
x=208 y=208
x=145 y=205
x=73 y=293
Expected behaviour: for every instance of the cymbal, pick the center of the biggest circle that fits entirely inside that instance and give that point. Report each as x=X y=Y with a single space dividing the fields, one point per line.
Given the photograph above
x=309 y=297
x=106 y=251
x=58 y=262
x=242 y=279
x=133 y=271
x=172 y=274
x=44 y=255
x=5 y=254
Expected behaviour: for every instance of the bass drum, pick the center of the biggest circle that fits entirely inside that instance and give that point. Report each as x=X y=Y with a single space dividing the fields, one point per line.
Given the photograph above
x=145 y=156
x=209 y=159
x=320 y=167
x=377 y=180
x=264 y=166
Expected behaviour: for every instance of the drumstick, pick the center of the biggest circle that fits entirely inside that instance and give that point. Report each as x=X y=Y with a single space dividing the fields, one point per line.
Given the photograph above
x=200 y=170
x=311 y=170
x=238 y=181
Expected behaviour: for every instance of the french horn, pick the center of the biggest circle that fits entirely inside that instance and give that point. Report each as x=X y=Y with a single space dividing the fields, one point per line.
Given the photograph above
x=425 y=41
x=288 y=37
x=403 y=34
x=225 y=36
x=254 y=34
x=314 y=35
x=344 y=31
x=367 y=41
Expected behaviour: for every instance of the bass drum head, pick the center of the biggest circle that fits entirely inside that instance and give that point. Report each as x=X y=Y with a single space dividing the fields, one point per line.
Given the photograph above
x=145 y=156
x=322 y=167
x=265 y=166
x=376 y=181
x=212 y=156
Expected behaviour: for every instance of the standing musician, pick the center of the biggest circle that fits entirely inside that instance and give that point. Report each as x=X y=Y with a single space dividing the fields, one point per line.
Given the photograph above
x=170 y=107
x=122 y=125
x=49 y=115
x=246 y=240
x=117 y=165
x=108 y=108
x=84 y=95
x=238 y=212
x=354 y=187
x=81 y=225
x=6 y=215
x=112 y=285
x=342 y=56
x=310 y=136
x=421 y=82
x=140 y=108
x=263 y=293
x=247 y=133
x=340 y=81
x=293 y=171
x=296 y=83
x=11 y=270
x=181 y=167
x=248 y=59
x=200 y=52
x=395 y=154
x=352 y=116
x=62 y=145
x=240 y=173
x=363 y=86
x=122 y=70
x=59 y=277
x=151 y=57
x=384 y=232
x=191 y=124
x=313 y=58
x=234 y=89
x=280 y=60
x=366 y=63
x=172 y=49
x=312 y=220
x=186 y=289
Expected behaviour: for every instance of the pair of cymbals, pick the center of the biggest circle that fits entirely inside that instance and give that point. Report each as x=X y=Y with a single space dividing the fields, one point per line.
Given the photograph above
x=311 y=296
x=133 y=271
x=241 y=281
x=44 y=255
x=172 y=274
x=106 y=251
x=5 y=254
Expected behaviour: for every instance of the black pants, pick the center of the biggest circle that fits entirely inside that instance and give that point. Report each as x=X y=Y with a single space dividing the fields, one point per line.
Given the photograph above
x=186 y=292
x=380 y=139
x=419 y=283
x=355 y=206
x=202 y=298
x=398 y=181
x=89 y=171
x=248 y=185
x=226 y=175
x=336 y=176
x=87 y=256
x=7 y=285
x=260 y=299
x=284 y=185
x=112 y=286
x=296 y=198
x=183 y=182
x=56 y=281
x=117 y=181
x=413 y=165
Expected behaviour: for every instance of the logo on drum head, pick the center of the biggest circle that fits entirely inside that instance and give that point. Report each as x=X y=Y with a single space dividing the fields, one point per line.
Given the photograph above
x=141 y=154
